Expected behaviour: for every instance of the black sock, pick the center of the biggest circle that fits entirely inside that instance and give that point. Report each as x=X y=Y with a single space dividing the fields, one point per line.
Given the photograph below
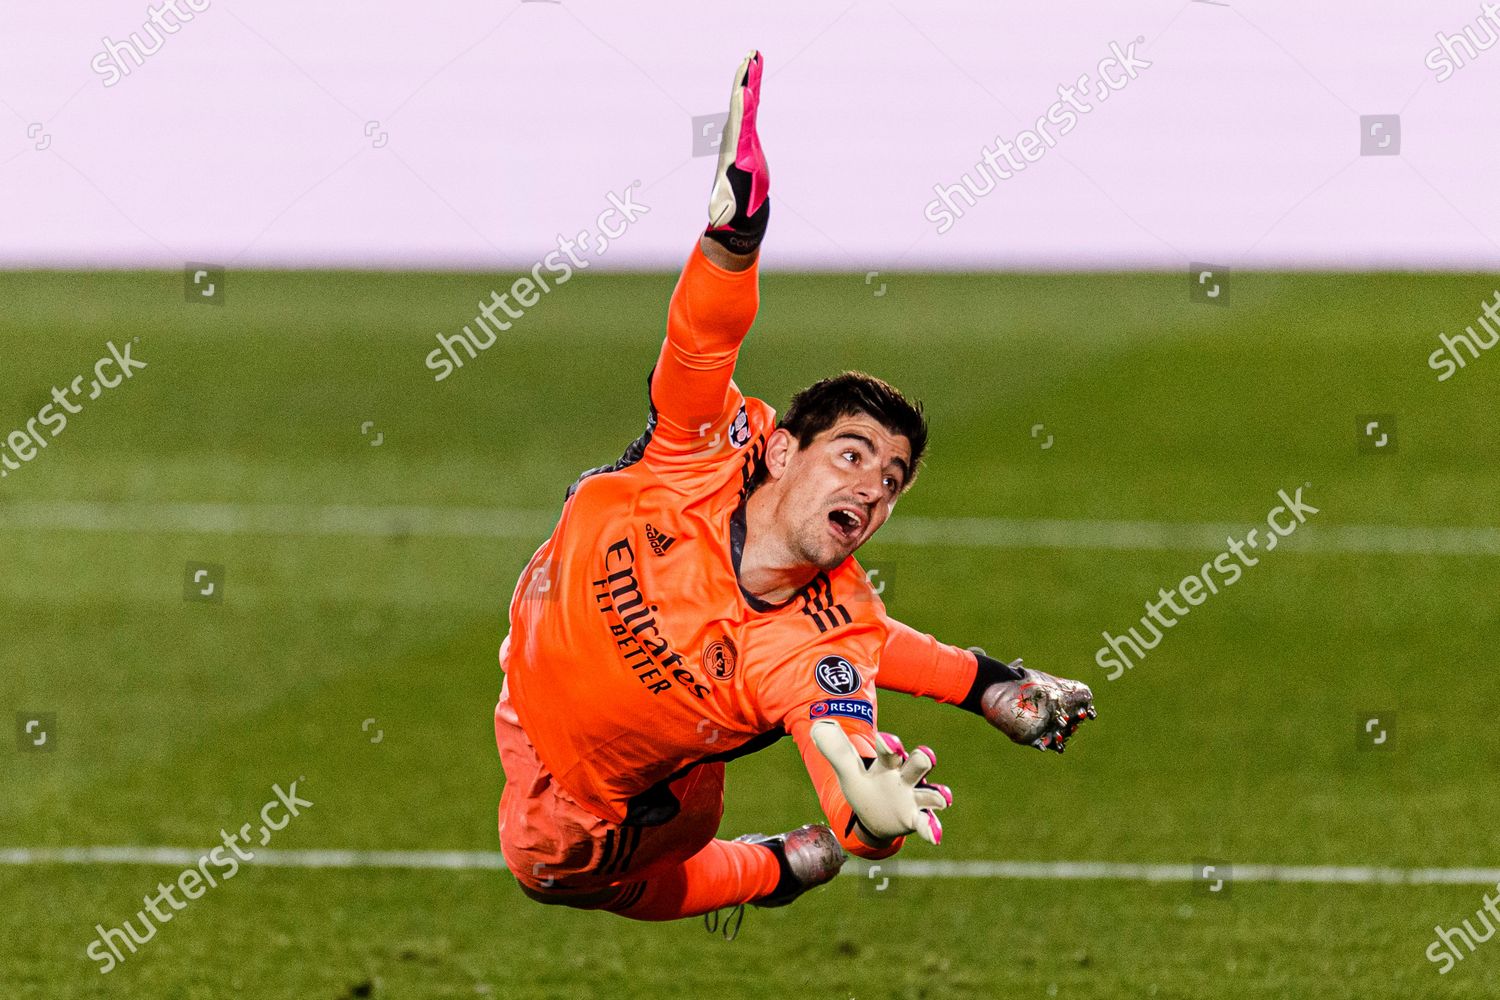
x=991 y=671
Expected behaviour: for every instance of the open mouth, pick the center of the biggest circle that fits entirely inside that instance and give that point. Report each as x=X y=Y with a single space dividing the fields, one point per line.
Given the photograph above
x=848 y=523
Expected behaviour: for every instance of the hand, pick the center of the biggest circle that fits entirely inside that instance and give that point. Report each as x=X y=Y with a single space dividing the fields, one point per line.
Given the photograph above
x=889 y=796
x=1038 y=709
x=738 y=206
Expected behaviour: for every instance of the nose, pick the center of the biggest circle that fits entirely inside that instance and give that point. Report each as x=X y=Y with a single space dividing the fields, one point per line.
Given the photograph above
x=869 y=489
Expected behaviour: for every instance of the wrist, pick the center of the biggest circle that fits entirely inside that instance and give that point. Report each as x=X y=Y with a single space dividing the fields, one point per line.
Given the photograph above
x=725 y=259
x=869 y=839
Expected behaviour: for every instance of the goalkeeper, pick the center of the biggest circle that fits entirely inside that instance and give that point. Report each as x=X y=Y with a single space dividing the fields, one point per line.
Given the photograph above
x=699 y=600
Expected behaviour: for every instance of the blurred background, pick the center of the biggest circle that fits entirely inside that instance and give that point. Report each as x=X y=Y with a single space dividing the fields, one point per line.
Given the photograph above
x=468 y=135
x=1146 y=265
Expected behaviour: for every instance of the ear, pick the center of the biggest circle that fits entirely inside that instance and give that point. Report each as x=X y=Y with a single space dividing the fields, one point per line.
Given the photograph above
x=780 y=447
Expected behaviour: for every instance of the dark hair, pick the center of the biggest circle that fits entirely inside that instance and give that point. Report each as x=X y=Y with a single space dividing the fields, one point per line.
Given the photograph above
x=820 y=405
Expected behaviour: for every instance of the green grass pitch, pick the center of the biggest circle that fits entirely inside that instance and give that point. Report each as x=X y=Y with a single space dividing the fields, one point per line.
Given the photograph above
x=1235 y=739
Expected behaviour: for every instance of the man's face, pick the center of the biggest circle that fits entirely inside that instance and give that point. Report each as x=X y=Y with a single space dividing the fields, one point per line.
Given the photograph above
x=839 y=489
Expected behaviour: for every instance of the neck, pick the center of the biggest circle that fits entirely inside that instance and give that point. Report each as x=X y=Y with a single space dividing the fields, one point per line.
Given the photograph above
x=768 y=568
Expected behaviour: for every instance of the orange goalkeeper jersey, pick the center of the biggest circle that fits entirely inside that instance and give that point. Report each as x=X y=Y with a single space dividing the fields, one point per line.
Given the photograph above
x=633 y=652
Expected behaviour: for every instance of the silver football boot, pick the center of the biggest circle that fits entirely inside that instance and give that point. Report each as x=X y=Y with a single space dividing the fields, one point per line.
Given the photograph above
x=809 y=856
x=1038 y=710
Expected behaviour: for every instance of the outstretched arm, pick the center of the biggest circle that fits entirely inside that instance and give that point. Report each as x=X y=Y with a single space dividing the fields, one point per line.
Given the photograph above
x=1029 y=706
x=873 y=792
x=718 y=294
x=841 y=815
x=712 y=309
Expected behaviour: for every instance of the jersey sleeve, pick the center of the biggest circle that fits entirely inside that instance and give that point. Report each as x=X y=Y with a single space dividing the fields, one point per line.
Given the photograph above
x=831 y=683
x=915 y=663
x=692 y=392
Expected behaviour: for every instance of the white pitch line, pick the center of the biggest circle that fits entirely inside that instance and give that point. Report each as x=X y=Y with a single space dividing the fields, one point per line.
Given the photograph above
x=185 y=857
x=533 y=526
x=1187 y=872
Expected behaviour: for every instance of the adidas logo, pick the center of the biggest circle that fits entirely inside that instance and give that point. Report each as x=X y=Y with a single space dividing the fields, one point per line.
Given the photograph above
x=659 y=541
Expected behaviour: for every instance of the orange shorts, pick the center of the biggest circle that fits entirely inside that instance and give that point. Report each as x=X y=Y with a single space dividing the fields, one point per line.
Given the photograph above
x=550 y=842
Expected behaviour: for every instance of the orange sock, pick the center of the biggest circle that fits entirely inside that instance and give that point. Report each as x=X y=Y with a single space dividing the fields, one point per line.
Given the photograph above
x=724 y=873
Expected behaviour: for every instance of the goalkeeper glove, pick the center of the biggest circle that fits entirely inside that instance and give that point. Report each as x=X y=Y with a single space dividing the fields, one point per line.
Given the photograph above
x=738 y=208
x=888 y=794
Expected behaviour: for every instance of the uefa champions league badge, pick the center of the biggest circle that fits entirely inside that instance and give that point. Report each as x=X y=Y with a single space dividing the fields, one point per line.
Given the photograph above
x=837 y=676
x=739 y=431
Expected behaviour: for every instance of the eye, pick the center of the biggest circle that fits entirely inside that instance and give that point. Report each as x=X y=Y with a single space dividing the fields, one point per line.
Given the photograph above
x=851 y=455
x=890 y=483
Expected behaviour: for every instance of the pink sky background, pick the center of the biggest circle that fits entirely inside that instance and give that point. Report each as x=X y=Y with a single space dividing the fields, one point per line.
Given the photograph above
x=242 y=141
